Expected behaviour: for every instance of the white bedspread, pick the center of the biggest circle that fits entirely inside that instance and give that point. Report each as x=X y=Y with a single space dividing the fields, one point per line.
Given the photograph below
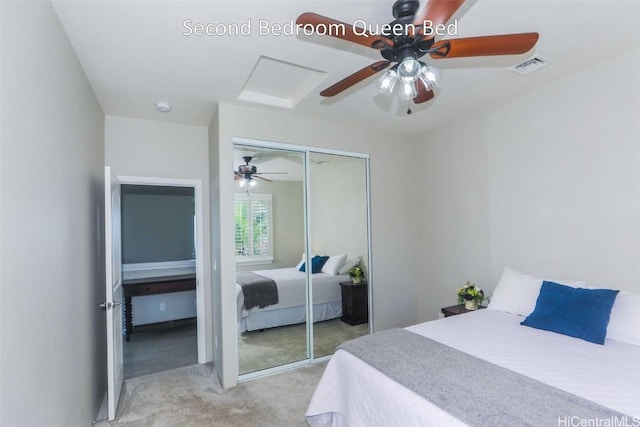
x=353 y=393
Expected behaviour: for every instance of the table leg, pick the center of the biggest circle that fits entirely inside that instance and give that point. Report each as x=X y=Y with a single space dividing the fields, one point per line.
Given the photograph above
x=129 y=317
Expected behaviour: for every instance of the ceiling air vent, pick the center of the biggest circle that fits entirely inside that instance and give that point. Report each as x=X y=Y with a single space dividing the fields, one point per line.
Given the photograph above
x=530 y=65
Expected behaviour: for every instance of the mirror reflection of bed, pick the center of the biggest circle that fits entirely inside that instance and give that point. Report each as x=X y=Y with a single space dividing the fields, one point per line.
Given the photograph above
x=272 y=291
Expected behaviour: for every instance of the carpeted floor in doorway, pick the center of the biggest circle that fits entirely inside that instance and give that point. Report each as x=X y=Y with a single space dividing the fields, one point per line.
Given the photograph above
x=192 y=396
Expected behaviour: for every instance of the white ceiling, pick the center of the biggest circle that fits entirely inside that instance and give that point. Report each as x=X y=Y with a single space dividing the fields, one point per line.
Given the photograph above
x=134 y=54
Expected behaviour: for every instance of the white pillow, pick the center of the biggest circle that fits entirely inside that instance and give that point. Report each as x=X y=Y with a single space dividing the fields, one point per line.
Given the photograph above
x=517 y=292
x=348 y=265
x=303 y=260
x=624 y=323
x=333 y=264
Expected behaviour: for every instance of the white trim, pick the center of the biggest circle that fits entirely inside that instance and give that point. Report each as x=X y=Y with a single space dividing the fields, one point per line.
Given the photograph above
x=142 y=266
x=236 y=140
x=196 y=184
x=254 y=261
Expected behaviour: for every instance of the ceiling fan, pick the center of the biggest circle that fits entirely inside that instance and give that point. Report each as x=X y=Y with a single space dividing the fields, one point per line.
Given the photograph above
x=406 y=39
x=248 y=173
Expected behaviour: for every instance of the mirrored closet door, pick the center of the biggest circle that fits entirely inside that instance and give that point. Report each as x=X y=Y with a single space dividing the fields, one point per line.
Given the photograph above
x=269 y=213
x=338 y=229
x=301 y=228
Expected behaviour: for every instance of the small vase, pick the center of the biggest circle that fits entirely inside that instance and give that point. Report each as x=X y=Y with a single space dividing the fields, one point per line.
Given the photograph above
x=357 y=280
x=470 y=305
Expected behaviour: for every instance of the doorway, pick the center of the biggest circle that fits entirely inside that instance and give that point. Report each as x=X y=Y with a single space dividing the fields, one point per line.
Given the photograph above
x=161 y=270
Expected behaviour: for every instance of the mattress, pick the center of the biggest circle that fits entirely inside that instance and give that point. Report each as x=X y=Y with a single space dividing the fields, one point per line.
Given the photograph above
x=291 y=285
x=353 y=393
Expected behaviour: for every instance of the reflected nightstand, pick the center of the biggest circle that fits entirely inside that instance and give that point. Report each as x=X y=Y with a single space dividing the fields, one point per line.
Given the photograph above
x=355 y=303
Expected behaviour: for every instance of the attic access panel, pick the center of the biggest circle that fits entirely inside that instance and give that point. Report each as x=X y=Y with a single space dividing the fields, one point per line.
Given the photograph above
x=279 y=83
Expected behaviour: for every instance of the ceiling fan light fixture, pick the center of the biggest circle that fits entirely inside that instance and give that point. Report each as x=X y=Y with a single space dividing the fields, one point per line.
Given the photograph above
x=407 y=73
x=408 y=91
x=409 y=70
x=430 y=76
x=247 y=183
x=387 y=81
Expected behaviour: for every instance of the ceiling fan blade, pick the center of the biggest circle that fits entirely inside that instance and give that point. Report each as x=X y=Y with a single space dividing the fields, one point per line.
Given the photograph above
x=506 y=44
x=237 y=176
x=341 y=30
x=272 y=173
x=354 y=78
x=435 y=12
x=264 y=179
x=424 y=94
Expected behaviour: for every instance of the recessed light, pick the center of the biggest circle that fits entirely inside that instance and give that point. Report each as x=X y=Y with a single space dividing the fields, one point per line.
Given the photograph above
x=163 y=107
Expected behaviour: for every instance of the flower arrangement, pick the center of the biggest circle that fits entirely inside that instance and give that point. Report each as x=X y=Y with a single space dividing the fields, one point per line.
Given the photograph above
x=356 y=274
x=471 y=295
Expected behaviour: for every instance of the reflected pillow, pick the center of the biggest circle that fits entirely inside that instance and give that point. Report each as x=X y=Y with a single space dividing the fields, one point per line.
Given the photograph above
x=303 y=260
x=333 y=264
x=348 y=265
x=576 y=312
x=316 y=264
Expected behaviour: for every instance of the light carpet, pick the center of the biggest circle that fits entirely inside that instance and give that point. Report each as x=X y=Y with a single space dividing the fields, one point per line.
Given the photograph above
x=193 y=396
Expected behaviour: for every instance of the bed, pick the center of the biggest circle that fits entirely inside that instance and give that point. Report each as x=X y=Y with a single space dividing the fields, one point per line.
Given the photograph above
x=601 y=378
x=291 y=306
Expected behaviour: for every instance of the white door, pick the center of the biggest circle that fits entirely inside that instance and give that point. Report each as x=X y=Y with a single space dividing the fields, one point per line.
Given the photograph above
x=113 y=304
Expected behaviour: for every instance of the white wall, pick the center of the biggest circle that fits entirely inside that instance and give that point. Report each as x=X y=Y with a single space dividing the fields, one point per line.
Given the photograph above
x=52 y=333
x=393 y=211
x=453 y=212
x=548 y=183
x=146 y=148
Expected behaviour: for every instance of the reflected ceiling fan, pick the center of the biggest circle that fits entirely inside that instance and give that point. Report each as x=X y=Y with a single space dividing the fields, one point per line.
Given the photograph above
x=249 y=173
x=406 y=39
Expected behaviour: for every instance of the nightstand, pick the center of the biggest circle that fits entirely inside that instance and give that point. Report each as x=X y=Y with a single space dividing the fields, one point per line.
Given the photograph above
x=355 y=303
x=457 y=309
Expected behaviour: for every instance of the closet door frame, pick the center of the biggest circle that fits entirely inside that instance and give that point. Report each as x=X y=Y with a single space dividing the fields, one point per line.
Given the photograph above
x=307 y=151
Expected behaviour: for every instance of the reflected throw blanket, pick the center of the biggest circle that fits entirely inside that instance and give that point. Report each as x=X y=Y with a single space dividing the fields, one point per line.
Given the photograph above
x=258 y=291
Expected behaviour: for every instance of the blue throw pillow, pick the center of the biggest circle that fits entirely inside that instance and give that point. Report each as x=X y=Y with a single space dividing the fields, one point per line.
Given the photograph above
x=576 y=312
x=316 y=264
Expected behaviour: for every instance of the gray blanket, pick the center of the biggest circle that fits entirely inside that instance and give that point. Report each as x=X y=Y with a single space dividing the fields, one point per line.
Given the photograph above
x=473 y=390
x=258 y=291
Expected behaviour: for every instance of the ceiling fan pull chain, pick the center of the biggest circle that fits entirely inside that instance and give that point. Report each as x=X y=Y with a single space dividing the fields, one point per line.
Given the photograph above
x=409 y=108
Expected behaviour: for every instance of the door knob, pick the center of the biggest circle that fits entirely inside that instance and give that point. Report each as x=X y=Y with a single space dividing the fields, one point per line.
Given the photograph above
x=108 y=305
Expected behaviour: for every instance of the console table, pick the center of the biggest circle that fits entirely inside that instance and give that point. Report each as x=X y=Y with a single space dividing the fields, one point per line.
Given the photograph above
x=152 y=286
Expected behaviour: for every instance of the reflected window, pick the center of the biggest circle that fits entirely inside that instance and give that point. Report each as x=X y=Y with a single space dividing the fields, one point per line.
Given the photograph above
x=253 y=228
